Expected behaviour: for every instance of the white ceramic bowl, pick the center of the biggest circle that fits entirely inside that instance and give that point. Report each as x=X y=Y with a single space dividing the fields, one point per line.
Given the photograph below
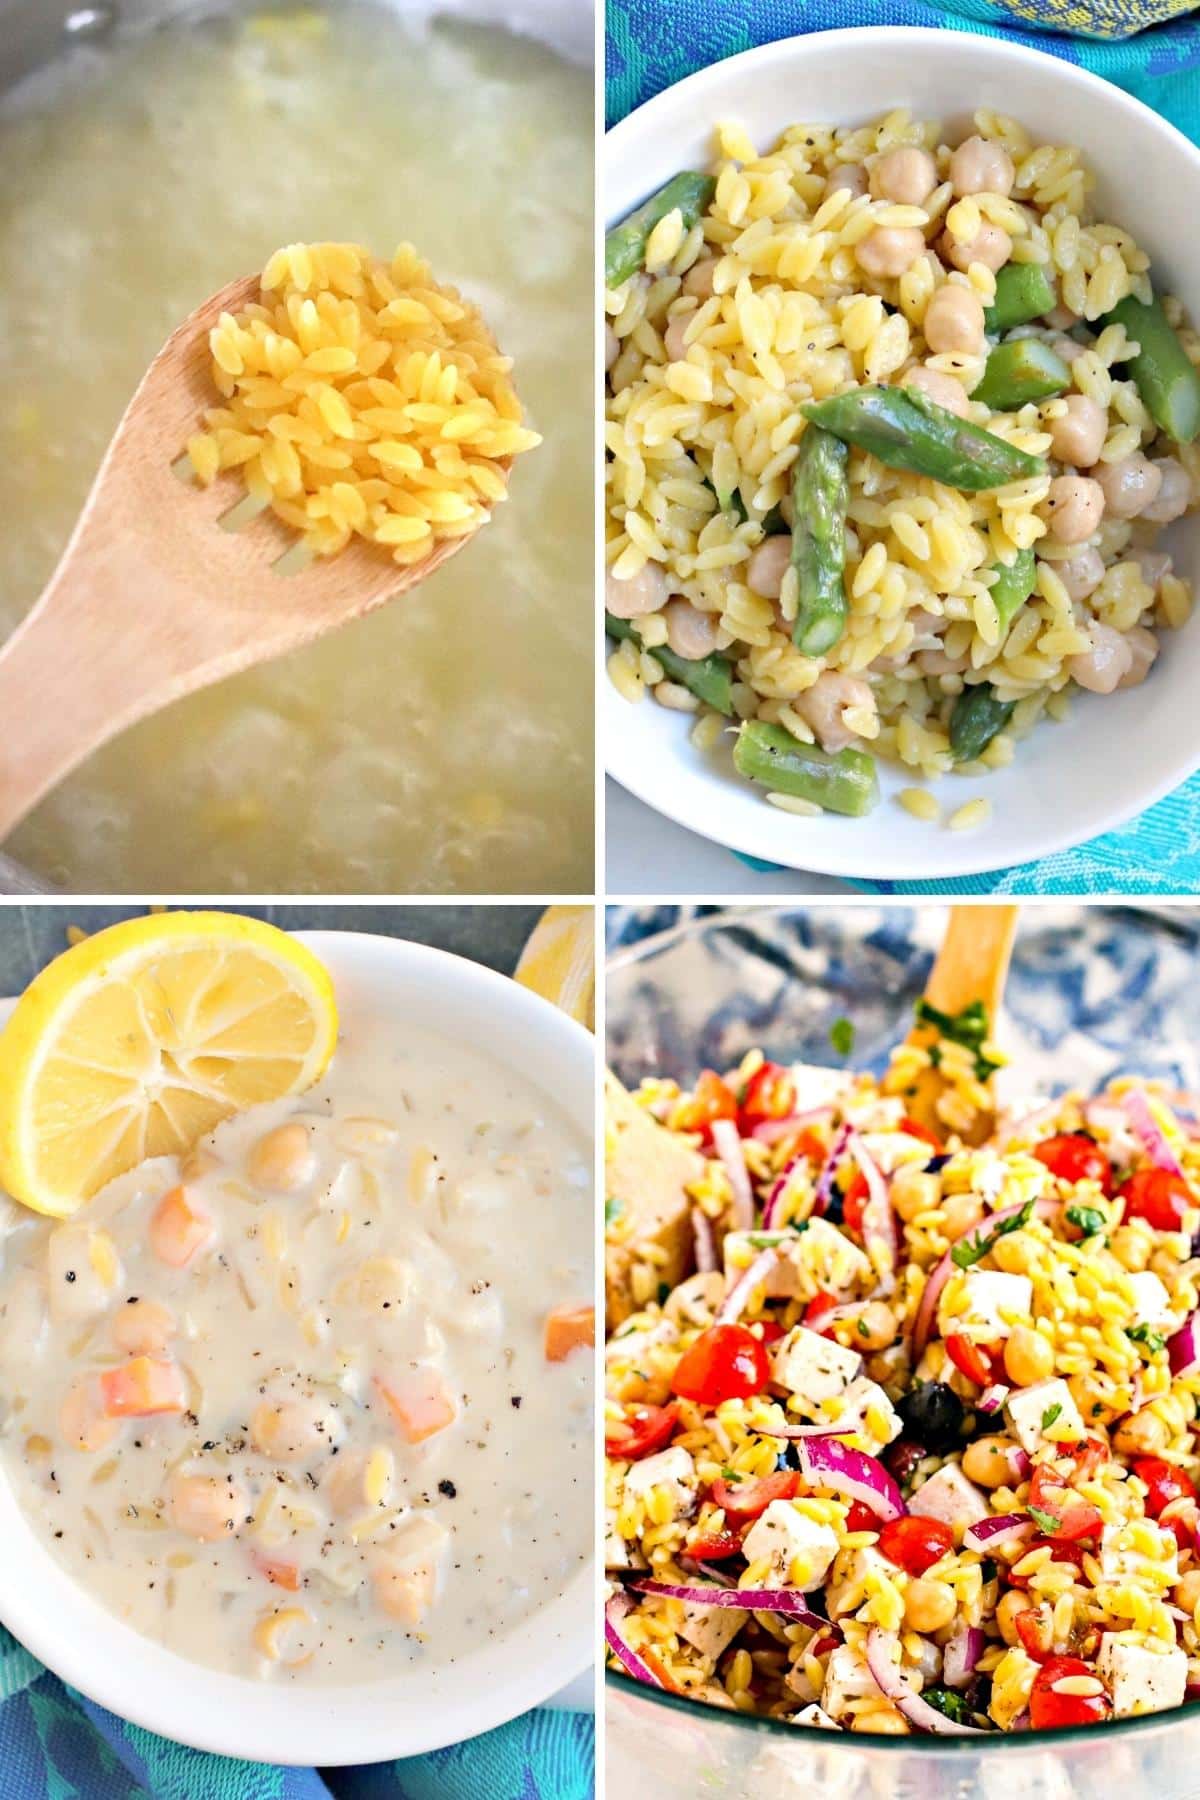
x=1115 y=755
x=417 y=1711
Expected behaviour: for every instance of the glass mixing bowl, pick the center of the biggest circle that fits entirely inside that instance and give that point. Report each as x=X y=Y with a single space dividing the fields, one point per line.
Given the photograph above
x=1093 y=992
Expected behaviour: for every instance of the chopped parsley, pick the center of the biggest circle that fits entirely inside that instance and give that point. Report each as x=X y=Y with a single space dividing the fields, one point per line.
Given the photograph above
x=732 y=1475
x=1051 y=1413
x=1089 y=1219
x=953 y=1705
x=968 y=1028
x=968 y=1251
x=664 y=1292
x=1046 y=1522
x=1142 y=1334
x=864 y=1330
x=613 y=1208
x=841 y=1036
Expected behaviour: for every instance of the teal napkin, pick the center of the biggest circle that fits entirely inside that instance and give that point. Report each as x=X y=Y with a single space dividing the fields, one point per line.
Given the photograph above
x=1151 y=48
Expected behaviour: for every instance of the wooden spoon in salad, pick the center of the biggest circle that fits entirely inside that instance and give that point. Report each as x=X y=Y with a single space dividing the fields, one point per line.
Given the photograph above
x=968 y=972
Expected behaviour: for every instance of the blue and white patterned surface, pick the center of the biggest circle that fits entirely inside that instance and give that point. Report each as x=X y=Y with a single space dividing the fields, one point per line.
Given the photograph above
x=1093 y=991
x=651 y=44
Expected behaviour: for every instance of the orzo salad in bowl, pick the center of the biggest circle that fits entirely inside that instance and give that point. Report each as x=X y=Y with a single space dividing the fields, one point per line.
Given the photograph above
x=900 y=1421
x=900 y=426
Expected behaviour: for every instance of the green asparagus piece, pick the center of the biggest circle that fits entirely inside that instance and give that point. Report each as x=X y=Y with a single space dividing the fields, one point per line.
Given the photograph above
x=975 y=720
x=842 y=783
x=709 y=677
x=625 y=244
x=908 y=431
x=1167 y=381
x=1012 y=587
x=1023 y=292
x=1021 y=370
x=820 y=496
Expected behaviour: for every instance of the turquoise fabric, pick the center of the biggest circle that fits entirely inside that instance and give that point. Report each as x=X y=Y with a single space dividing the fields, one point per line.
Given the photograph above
x=1151 y=48
x=55 y=1745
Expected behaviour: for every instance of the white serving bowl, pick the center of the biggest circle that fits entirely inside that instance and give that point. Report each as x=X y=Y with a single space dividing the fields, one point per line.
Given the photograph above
x=406 y=1714
x=1115 y=755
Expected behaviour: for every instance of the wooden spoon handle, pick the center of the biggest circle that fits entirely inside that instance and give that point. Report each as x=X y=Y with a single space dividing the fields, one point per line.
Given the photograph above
x=972 y=963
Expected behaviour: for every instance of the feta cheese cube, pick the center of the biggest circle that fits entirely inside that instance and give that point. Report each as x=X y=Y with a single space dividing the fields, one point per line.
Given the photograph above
x=1131 y=1551
x=618 y=1551
x=1141 y=1679
x=994 y=1303
x=711 y=1629
x=626 y=1346
x=820 y=1256
x=950 y=1497
x=798 y=1549
x=817 y=1086
x=860 y=1398
x=671 y=1469
x=1044 y=1414
x=814 y=1715
x=1151 y=1301
x=847 y=1678
x=813 y=1367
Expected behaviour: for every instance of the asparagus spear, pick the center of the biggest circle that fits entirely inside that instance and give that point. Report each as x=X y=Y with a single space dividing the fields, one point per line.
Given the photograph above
x=1021 y=370
x=1012 y=587
x=907 y=431
x=709 y=677
x=625 y=244
x=1167 y=381
x=975 y=720
x=842 y=783
x=820 y=496
x=1023 y=292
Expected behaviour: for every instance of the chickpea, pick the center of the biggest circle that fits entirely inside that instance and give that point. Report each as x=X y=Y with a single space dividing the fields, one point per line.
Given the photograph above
x=941 y=388
x=1141 y=1434
x=645 y=592
x=674 y=336
x=612 y=347
x=874 y=1328
x=1073 y=508
x=913 y=1192
x=928 y=1605
x=768 y=566
x=990 y=246
x=82 y=1420
x=1187 y=1591
x=1012 y=1603
x=293 y=1430
x=1014 y=1253
x=954 y=320
x=960 y=1212
x=1094 y=1403
x=1155 y=565
x=889 y=250
x=987 y=1461
x=847 y=177
x=143 y=1328
x=1128 y=486
x=691 y=633
x=1028 y=1357
x=1078 y=436
x=1106 y=662
x=1174 y=494
x=282 y=1159
x=207 y=1507
x=882 y=1722
x=1082 y=573
x=981 y=166
x=699 y=279
x=1143 y=649
x=906 y=175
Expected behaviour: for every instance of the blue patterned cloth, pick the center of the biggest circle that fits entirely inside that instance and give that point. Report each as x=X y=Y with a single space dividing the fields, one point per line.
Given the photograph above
x=652 y=44
x=55 y=1745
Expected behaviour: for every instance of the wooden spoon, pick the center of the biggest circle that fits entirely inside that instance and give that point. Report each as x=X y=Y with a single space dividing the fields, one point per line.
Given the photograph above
x=971 y=965
x=153 y=597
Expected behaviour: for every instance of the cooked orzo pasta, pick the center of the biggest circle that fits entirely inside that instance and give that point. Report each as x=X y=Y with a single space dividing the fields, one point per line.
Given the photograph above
x=892 y=426
x=900 y=1428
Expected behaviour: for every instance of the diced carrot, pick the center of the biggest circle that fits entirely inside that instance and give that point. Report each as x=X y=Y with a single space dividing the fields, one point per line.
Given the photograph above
x=141 y=1387
x=419 y=1403
x=178 y=1228
x=569 y=1328
x=283 y=1574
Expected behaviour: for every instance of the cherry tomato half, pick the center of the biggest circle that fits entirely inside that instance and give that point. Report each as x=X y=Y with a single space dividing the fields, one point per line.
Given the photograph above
x=1165 y=1484
x=643 y=1430
x=915 y=1544
x=1060 y=1551
x=1073 y=1156
x=715 y=1548
x=711 y=1099
x=854 y=1202
x=742 y=1501
x=818 y=1311
x=1034 y=1630
x=914 y=1128
x=860 y=1517
x=1077 y=1518
x=1157 y=1196
x=726 y=1362
x=972 y=1360
x=770 y=1093
x=1050 y=1711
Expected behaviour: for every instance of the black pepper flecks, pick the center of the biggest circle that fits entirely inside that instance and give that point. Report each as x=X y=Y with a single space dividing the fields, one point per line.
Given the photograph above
x=448 y=1488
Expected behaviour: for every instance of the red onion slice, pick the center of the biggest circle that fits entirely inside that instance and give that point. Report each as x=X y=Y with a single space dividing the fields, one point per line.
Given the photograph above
x=773 y=1600
x=963 y=1652
x=625 y=1653
x=1001 y=1529
x=773 y=1131
x=824 y=1186
x=880 y=1229
x=1183 y=1346
x=927 y=1310
x=705 y=1243
x=880 y=1647
x=736 y=1300
x=992 y=1398
x=728 y=1146
x=826 y=1462
x=1148 y=1131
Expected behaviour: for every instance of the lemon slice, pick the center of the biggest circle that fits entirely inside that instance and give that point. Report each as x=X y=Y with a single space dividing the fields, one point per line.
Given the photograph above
x=137 y=1041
